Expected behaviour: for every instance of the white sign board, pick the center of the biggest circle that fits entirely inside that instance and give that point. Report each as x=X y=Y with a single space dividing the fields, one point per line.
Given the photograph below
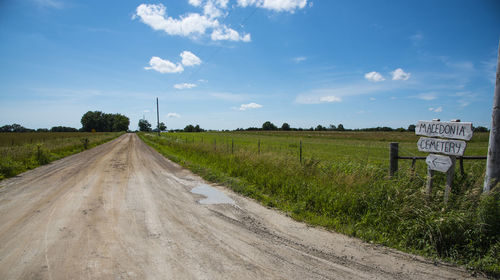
x=454 y=130
x=438 y=162
x=442 y=146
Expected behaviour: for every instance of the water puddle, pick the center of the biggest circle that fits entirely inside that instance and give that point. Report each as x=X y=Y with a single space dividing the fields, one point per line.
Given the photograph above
x=213 y=195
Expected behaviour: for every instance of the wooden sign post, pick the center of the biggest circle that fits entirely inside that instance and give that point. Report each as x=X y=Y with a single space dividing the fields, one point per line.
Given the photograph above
x=435 y=144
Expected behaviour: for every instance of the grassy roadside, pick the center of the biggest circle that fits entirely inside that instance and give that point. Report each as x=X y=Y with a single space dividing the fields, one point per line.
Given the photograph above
x=356 y=198
x=24 y=151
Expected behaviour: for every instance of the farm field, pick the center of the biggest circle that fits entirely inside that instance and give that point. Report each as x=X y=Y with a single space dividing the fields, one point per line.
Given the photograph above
x=342 y=184
x=23 y=151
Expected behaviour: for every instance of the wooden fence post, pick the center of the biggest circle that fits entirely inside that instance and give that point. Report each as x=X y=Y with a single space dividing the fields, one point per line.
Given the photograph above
x=430 y=179
x=393 y=158
x=232 y=145
x=449 y=179
x=300 y=151
x=259 y=146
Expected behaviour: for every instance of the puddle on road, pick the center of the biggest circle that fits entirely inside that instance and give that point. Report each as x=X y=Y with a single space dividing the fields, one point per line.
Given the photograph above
x=213 y=195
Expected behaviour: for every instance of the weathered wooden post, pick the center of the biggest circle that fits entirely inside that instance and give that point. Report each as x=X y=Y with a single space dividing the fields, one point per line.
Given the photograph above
x=430 y=180
x=157 y=116
x=492 y=176
x=394 y=151
x=449 y=179
x=300 y=151
x=232 y=145
x=259 y=146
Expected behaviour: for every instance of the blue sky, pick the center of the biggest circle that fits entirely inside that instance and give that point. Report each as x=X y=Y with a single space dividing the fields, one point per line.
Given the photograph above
x=225 y=64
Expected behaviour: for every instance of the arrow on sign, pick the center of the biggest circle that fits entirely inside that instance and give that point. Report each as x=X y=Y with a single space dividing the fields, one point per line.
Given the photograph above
x=438 y=162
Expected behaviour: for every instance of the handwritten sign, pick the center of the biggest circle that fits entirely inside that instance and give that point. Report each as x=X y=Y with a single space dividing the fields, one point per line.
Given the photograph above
x=438 y=162
x=454 y=130
x=443 y=146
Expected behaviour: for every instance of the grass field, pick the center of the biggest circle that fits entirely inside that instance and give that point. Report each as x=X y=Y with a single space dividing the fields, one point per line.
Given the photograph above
x=23 y=151
x=342 y=184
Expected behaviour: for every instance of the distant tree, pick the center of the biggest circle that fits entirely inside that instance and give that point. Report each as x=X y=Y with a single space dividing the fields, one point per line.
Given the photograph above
x=400 y=129
x=269 y=126
x=15 y=128
x=189 y=128
x=144 y=125
x=99 y=121
x=120 y=122
x=198 y=129
x=411 y=128
x=332 y=127
x=340 y=127
x=320 y=128
x=162 y=127
x=285 y=127
x=481 y=129
x=63 y=129
x=42 y=130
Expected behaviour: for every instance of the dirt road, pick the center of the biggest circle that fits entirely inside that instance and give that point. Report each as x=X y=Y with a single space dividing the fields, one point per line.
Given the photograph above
x=122 y=211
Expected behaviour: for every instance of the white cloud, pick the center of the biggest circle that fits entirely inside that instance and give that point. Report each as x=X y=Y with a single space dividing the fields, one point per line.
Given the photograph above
x=188 y=25
x=399 y=74
x=192 y=24
x=226 y=33
x=299 y=59
x=146 y=111
x=374 y=77
x=222 y=3
x=436 y=110
x=427 y=96
x=252 y=105
x=195 y=3
x=173 y=115
x=211 y=10
x=275 y=5
x=184 y=86
x=330 y=99
x=164 y=66
x=372 y=99
x=190 y=59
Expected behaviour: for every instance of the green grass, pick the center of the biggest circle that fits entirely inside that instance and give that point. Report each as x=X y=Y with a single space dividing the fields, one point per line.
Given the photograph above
x=342 y=184
x=20 y=152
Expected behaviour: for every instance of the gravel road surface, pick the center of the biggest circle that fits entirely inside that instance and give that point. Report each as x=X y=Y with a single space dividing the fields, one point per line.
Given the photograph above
x=123 y=211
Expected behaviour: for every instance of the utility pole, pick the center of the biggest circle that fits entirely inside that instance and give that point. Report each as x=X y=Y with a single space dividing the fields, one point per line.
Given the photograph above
x=157 y=117
x=492 y=176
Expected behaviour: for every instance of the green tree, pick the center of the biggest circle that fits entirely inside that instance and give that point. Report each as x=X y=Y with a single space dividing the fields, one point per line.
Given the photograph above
x=481 y=129
x=320 y=128
x=411 y=127
x=120 y=122
x=92 y=120
x=162 y=127
x=144 y=125
x=189 y=128
x=269 y=126
x=340 y=127
x=285 y=127
x=101 y=122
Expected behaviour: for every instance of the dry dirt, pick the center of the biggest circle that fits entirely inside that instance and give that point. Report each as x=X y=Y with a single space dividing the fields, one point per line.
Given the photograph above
x=122 y=211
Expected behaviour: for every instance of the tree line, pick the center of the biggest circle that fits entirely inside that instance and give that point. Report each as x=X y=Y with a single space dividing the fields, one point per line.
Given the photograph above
x=92 y=121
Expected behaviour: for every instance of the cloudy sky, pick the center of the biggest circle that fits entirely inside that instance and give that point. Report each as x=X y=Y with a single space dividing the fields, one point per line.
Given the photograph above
x=225 y=64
